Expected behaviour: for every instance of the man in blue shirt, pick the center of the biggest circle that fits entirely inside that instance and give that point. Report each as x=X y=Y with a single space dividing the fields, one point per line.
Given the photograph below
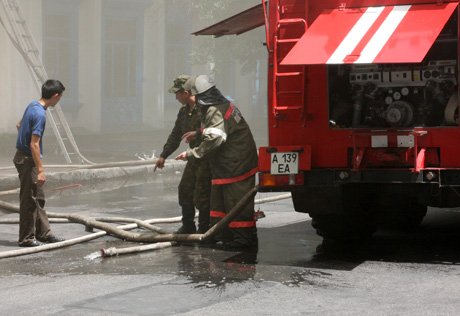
x=34 y=228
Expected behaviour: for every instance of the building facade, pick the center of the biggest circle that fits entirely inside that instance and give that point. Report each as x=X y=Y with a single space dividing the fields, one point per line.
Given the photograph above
x=117 y=58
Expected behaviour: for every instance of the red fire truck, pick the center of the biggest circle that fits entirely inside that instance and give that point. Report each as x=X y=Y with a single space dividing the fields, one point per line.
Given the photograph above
x=363 y=109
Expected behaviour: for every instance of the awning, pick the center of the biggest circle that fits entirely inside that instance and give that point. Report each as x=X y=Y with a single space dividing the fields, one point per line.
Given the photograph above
x=386 y=34
x=237 y=24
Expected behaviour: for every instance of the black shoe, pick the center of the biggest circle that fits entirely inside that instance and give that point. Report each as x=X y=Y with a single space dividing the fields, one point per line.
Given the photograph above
x=54 y=239
x=34 y=243
x=234 y=245
x=201 y=231
x=186 y=230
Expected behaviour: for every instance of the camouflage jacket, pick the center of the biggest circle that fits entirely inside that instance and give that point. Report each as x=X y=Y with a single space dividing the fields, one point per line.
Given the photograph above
x=227 y=141
x=186 y=121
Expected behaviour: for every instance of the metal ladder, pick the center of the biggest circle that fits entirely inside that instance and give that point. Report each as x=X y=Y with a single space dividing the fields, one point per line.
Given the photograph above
x=293 y=107
x=24 y=42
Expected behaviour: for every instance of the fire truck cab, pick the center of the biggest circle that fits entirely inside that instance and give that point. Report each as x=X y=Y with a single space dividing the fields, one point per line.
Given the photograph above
x=363 y=111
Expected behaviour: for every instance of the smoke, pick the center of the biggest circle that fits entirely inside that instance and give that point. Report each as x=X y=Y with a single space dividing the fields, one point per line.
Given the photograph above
x=117 y=59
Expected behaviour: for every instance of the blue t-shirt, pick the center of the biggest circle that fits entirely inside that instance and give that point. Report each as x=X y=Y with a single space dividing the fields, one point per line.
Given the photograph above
x=33 y=123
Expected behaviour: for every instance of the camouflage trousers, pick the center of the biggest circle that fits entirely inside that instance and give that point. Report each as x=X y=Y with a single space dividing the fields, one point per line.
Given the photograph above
x=194 y=192
x=223 y=198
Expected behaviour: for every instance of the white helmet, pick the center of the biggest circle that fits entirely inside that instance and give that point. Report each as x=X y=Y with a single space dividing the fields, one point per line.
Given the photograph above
x=199 y=84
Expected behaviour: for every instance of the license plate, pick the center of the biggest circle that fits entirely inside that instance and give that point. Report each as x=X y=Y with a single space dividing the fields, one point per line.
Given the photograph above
x=284 y=163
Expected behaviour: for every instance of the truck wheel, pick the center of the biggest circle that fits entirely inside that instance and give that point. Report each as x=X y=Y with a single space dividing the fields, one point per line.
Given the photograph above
x=402 y=217
x=341 y=215
x=344 y=228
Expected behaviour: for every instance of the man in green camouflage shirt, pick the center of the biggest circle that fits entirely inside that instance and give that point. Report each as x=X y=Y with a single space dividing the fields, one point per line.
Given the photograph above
x=195 y=184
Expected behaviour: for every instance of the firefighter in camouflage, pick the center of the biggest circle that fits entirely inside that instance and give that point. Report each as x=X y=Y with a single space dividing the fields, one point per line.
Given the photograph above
x=228 y=143
x=195 y=184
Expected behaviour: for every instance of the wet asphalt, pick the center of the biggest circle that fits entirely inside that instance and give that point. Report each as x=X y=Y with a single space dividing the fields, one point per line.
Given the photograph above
x=396 y=273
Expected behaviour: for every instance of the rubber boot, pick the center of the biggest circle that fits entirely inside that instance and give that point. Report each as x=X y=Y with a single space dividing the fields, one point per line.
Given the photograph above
x=203 y=222
x=188 y=221
x=244 y=238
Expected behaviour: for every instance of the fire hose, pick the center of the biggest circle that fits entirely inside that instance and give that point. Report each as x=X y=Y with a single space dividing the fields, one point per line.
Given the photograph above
x=110 y=252
x=120 y=232
x=99 y=165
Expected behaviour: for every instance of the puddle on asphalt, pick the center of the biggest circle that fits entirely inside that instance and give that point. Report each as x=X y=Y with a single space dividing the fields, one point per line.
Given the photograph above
x=202 y=267
x=291 y=260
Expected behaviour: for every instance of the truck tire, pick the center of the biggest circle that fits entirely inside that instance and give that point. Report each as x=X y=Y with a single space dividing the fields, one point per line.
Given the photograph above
x=343 y=228
x=401 y=217
x=340 y=214
x=354 y=223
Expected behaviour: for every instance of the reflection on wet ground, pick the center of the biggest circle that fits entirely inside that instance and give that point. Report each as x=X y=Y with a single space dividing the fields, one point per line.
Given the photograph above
x=207 y=266
x=287 y=253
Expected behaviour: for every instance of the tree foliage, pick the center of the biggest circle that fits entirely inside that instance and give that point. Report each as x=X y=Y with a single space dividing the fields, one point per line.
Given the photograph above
x=244 y=49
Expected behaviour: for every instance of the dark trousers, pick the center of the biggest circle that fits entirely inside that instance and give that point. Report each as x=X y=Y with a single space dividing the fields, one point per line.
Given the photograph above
x=33 y=221
x=223 y=198
x=194 y=191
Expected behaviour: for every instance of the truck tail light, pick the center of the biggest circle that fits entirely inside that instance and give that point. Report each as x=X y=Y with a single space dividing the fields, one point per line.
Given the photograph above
x=270 y=180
